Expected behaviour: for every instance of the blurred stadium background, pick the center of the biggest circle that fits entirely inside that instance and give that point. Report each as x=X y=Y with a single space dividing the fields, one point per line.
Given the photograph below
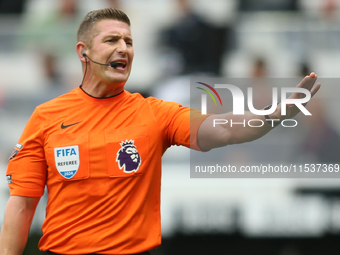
x=174 y=40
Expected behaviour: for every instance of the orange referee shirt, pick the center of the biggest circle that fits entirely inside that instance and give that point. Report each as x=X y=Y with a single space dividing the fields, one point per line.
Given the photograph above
x=101 y=162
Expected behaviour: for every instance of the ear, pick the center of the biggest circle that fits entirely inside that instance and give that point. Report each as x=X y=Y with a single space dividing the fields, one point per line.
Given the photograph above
x=81 y=50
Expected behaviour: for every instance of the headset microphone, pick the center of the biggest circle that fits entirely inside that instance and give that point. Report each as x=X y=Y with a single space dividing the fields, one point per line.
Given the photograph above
x=113 y=64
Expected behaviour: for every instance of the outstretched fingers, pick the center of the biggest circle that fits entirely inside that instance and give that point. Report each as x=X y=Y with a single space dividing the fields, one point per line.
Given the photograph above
x=315 y=89
x=310 y=84
x=308 y=81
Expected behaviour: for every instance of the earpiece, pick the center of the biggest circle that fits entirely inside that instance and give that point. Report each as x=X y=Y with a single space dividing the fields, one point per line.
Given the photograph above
x=84 y=53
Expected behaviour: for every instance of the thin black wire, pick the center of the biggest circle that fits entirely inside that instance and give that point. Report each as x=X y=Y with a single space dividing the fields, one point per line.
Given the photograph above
x=84 y=72
x=84 y=78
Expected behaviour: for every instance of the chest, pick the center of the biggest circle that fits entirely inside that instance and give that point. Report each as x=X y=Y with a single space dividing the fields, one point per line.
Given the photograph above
x=101 y=144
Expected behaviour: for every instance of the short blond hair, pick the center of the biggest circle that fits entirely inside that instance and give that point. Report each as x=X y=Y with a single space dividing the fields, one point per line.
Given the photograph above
x=85 y=30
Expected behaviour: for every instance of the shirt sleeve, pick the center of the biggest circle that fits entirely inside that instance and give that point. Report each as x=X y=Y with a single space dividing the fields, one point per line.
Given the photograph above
x=26 y=170
x=181 y=123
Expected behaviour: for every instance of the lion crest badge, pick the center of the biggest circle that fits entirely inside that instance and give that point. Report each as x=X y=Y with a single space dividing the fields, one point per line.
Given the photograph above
x=128 y=157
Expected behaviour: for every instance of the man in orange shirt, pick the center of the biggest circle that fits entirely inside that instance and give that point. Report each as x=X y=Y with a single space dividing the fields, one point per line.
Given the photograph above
x=98 y=150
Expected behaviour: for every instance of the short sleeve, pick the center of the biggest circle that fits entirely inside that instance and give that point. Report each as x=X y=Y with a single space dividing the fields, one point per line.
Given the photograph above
x=26 y=170
x=184 y=126
x=181 y=123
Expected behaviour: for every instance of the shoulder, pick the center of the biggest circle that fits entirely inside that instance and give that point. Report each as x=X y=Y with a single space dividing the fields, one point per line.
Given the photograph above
x=150 y=101
x=155 y=107
x=153 y=101
x=58 y=103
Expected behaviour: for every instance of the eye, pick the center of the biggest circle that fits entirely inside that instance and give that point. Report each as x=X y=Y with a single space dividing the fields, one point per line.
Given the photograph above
x=128 y=43
x=111 y=40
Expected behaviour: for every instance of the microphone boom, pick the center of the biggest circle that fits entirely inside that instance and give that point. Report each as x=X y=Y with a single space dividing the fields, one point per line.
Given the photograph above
x=113 y=64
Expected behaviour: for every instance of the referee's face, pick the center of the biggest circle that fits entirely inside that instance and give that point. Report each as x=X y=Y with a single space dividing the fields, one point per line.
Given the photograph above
x=112 y=42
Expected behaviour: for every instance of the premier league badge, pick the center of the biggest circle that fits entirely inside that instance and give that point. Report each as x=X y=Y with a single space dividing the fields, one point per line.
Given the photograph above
x=67 y=160
x=128 y=157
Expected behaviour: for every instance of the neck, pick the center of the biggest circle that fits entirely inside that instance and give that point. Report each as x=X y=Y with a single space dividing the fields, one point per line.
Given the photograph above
x=103 y=90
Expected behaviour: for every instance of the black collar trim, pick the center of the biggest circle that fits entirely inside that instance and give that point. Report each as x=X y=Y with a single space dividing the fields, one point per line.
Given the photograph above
x=99 y=97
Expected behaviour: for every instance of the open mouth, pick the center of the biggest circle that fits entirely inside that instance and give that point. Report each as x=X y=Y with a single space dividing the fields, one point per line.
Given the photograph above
x=119 y=64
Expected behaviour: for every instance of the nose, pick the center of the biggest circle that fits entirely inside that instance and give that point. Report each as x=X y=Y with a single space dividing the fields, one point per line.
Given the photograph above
x=121 y=46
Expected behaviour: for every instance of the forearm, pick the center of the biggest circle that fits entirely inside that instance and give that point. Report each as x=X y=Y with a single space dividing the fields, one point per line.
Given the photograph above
x=245 y=128
x=18 y=217
x=226 y=129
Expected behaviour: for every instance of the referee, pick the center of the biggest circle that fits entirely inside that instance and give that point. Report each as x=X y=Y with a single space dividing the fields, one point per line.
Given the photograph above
x=98 y=150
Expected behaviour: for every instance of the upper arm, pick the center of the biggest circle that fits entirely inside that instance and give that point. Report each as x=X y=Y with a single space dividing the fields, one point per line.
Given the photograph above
x=210 y=136
x=19 y=213
x=19 y=203
x=27 y=167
